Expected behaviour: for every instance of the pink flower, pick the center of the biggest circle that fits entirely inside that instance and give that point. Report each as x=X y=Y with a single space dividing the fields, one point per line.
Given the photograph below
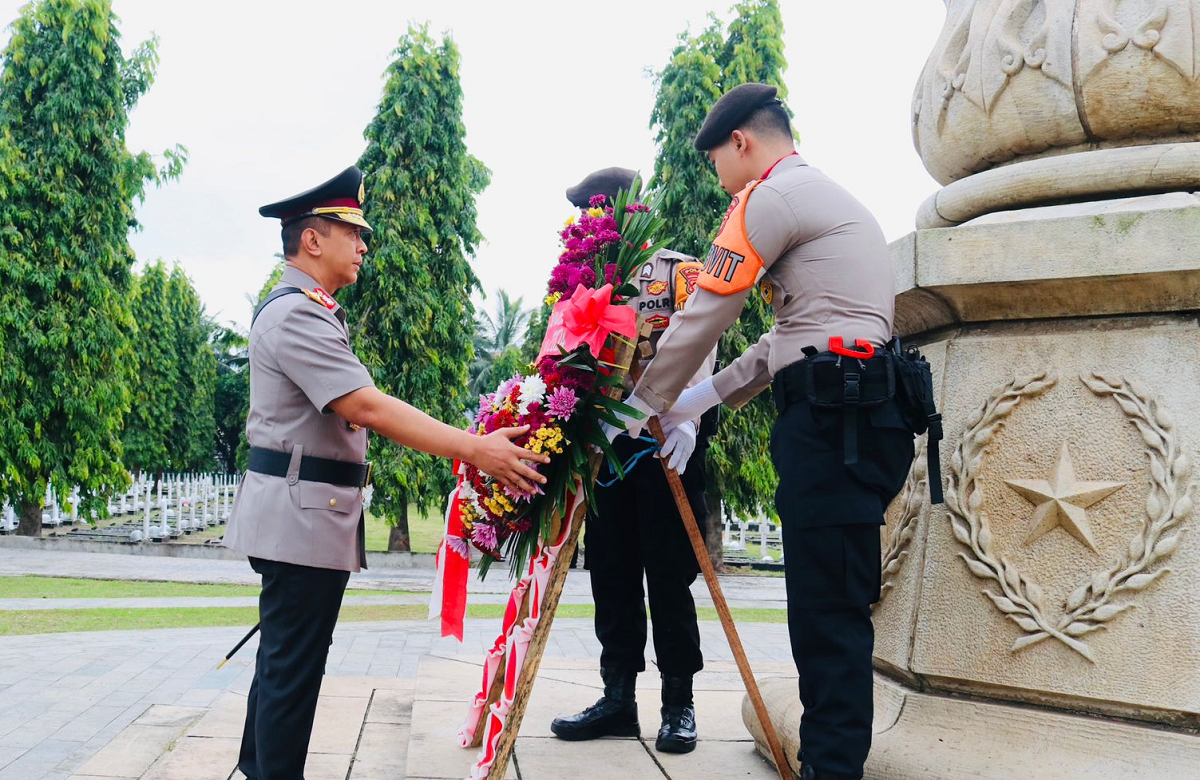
x=458 y=546
x=597 y=200
x=562 y=403
x=484 y=535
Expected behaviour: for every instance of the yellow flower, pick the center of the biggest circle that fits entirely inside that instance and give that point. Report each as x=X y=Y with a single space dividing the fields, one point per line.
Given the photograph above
x=570 y=221
x=595 y=212
x=553 y=298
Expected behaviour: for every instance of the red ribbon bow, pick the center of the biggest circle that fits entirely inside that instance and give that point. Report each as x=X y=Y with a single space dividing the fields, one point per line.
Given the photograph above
x=588 y=316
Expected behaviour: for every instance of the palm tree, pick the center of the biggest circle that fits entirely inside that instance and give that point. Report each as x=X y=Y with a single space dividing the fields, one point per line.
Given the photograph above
x=495 y=335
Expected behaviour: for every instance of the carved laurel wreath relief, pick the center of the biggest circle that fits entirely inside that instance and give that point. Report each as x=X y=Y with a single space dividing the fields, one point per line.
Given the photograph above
x=1110 y=591
x=912 y=502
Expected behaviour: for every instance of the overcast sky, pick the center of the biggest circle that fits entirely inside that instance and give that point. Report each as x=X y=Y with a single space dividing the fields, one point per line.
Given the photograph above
x=272 y=98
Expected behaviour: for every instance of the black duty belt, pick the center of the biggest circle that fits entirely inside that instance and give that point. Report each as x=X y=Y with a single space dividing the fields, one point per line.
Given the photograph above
x=837 y=382
x=312 y=469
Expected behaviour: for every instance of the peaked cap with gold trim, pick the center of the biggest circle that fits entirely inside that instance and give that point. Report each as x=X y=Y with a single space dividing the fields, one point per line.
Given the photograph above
x=339 y=198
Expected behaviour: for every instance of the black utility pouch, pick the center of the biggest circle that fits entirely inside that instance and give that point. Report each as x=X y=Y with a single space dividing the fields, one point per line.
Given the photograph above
x=914 y=396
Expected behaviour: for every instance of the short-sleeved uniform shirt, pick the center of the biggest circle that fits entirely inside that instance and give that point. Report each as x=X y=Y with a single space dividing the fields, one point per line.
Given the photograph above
x=301 y=361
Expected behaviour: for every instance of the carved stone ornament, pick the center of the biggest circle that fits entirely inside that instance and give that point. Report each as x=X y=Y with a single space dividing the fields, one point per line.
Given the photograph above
x=912 y=503
x=1013 y=81
x=1110 y=591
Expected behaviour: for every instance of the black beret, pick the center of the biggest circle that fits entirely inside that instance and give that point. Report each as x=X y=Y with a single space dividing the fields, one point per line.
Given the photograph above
x=339 y=198
x=603 y=182
x=728 y=113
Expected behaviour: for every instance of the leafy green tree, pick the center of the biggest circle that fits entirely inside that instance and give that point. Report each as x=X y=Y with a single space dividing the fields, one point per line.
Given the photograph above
x=411 y=309
x=497 y=335
x=701 y=69
x=70 y=187
x=194 y=438
x=231 y=396
x=149 y=425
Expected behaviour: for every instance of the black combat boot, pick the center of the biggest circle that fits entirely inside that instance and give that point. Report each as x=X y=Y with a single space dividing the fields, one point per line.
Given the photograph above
x=678 y=731
x=808 y=772
x=614 y=715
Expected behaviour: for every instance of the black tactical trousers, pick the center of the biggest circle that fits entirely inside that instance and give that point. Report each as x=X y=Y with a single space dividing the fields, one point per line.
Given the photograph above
x=638 y=531
x=298 y=609
x=831 y=514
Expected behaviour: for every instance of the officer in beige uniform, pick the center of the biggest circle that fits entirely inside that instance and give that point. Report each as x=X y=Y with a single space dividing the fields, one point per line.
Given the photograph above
x=637 y=533
x=818 y=256
x=298 y=515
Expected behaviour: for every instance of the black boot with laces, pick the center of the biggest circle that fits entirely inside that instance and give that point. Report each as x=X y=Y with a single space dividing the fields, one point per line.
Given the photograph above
x=614 y=715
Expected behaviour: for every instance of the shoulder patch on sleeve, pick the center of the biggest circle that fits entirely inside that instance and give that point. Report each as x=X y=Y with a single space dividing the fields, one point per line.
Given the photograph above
x=686 y=276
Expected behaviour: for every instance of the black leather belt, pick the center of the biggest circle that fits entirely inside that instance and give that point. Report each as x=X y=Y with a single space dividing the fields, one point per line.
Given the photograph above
x=312 y=469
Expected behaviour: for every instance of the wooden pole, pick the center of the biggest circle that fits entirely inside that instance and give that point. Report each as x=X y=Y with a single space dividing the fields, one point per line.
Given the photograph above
x=718 y=597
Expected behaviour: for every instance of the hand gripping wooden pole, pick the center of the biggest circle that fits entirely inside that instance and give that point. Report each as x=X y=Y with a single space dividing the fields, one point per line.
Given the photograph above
x=718 y=597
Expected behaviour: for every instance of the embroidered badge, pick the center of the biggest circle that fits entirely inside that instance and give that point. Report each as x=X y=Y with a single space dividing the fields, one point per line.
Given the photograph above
x=656 y=287
x=659 y=321
x=648 y=270
x=322 y=297
x=686 y=275
x=767 y=290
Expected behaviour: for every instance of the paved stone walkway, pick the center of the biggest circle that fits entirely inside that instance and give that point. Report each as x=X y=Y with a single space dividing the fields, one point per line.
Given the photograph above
x=740 y=591
x=64 y=697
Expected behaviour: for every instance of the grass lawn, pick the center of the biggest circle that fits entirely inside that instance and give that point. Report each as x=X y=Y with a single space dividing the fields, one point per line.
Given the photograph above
x=424 y=531
x=13 y=623
x=29 y=587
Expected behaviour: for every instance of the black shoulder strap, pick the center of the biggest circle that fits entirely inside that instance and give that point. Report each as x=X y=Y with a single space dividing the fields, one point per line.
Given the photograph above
x=282 y=291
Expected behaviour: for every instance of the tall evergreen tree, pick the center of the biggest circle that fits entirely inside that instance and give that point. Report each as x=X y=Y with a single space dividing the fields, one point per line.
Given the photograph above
x=194 y=438
x=701 y=69
x=149 y=426
x=65 y=262
x=413 y=320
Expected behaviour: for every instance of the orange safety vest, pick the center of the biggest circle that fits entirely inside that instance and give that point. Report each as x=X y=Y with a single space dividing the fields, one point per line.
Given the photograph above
x=732 y=264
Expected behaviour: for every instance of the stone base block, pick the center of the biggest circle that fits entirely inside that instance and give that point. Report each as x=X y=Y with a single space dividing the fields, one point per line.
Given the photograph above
x=921 y=736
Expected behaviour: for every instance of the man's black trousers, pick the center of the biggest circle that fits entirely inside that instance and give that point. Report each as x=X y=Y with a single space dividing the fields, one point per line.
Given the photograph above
x=298 y=609
x=831 y=514
x=637 y=531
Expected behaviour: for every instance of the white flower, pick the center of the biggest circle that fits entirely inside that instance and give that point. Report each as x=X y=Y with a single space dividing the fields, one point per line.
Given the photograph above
x=533 y=390
x=367 y=493
x=466 y=492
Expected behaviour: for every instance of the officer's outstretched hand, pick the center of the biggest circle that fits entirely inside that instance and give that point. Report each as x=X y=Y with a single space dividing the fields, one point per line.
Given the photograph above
x=679 y=446
x=629 y=422
x=498 y=456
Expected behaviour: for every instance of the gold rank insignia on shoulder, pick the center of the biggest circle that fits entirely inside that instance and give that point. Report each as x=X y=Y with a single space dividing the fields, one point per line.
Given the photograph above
x=767 y=290
x=321 y=297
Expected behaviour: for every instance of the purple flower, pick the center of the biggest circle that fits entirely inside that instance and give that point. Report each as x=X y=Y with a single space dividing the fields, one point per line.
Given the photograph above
x=562 y=403
x=484 y=535
x=597 y=200
x=632 y=207
x=458 y=546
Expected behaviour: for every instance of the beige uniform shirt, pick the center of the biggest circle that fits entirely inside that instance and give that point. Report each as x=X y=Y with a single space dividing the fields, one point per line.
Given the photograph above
x=300 y=361
x=826 y=272
x=667 y=281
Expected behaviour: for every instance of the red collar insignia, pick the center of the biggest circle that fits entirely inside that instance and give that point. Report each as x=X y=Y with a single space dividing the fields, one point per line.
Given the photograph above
x=322 y=297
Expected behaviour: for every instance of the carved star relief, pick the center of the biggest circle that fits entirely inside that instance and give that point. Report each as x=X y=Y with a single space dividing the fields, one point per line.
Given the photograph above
x=1062 y=500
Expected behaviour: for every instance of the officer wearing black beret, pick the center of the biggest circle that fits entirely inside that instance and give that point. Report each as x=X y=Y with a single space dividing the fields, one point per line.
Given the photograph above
x=298 y=515
x=841 y=446
x=637 y=533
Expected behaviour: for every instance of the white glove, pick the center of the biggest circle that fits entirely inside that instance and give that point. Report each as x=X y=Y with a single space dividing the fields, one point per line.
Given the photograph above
x=680 y=444
x=692 y=403
x=629 y=423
